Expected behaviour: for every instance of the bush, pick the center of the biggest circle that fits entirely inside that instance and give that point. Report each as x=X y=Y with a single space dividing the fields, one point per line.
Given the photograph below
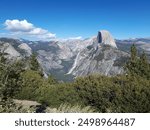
x=116 y=94
x=97 y=91
x=134 y=94
x=31 y=83
x=54 y=95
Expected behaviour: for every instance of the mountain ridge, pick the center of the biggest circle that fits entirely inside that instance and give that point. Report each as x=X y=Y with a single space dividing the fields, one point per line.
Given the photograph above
x=58 y=58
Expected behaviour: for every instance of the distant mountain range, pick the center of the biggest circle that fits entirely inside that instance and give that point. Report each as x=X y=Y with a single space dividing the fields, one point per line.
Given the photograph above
x=67 y=59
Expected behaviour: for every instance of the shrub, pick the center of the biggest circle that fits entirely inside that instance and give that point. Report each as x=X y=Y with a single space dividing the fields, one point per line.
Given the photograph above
x=54 y=95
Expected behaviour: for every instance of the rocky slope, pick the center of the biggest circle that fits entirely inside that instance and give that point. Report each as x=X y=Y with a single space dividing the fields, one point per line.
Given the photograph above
x=102 y=57
x=142 y=44
x=66 y=59
x=14 y=48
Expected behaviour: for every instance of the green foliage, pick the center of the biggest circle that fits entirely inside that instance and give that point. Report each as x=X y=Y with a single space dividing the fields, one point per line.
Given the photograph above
x=11 y=106
x=46 y=91
x=12 y=79
x=51 y=80
x=97 y=91
x=126 y=93
x=54 y=95
x=8 y=106
x=115 y=94
x=133 y=53
x=34 y=65
x=134 y=94
x=31 y=83
x=138 y=66
x=144 y=66
x=10 y=82
x=123 y=93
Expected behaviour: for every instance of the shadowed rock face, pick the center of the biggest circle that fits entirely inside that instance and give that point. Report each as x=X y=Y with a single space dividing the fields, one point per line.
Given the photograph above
x=99 y=37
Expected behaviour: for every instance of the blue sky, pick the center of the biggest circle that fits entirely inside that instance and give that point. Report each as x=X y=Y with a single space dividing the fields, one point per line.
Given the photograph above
x=75 y=18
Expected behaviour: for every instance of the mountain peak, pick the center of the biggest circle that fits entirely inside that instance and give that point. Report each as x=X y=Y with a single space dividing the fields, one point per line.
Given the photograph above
x=105 y=38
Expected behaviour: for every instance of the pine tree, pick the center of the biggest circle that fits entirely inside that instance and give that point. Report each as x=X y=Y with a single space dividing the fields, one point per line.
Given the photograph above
x=131 y=65
x=133 y=52
x=10 y=82
x=34 y=65
x=138 y=65
x=144 y=66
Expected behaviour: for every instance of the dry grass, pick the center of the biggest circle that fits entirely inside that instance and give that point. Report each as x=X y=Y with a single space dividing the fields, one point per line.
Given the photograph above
x=65 y=108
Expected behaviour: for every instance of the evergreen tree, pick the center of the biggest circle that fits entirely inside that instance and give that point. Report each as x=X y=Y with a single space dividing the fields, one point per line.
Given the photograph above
x=31 y=82
x=133 y=53
x=34 y=65
x=143 y=58
x=10 y=82
x=138 y=65
x=144 y=66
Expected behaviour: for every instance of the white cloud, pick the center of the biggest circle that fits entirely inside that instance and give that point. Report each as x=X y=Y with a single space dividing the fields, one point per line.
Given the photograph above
x=75 y=38
x=23 y=27
x=16 y=25
x=37 y=31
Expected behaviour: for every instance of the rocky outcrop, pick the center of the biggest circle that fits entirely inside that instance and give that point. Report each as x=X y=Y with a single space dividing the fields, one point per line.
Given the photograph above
x=11 y=52
x=104 y=60
x=102 y=57
x=26 y=48
x=105 y=38
x=98 y=54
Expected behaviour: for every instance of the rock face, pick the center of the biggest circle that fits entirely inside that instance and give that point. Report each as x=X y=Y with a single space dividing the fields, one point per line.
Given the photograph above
x=11 y=52
x=26 y=48
x=105 y=38
x=101 y=57
x=14 y=48
x=72 y=58
x=104 y=60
